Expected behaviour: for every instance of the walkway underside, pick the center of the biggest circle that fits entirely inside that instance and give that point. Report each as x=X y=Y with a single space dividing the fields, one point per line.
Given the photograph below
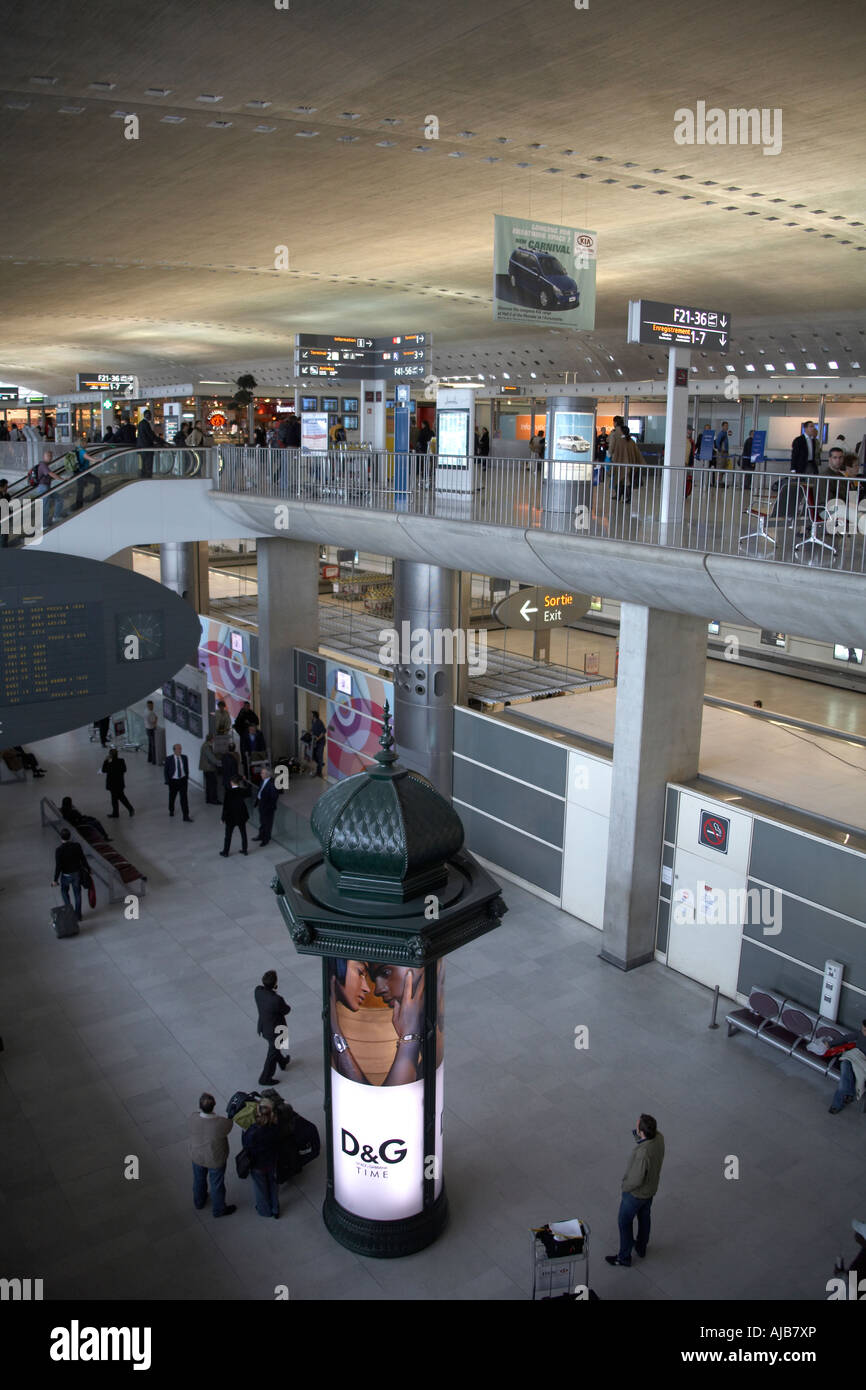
x=813 y=602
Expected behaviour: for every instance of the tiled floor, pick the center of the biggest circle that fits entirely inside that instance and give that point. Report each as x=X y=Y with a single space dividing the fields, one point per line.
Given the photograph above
x=110 y=1037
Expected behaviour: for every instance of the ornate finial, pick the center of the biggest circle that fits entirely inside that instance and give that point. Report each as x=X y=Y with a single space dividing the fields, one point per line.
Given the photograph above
x=386 y=742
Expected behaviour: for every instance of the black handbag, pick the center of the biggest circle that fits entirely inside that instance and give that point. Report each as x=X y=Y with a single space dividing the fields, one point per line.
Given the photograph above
x=242 y=1163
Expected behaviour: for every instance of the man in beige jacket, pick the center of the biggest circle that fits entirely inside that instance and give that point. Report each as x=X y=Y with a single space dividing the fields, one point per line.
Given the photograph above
x=639 y=1186
x=209 y=1151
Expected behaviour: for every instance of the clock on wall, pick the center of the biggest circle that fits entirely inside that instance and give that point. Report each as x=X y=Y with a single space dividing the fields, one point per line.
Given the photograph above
x=148 y=627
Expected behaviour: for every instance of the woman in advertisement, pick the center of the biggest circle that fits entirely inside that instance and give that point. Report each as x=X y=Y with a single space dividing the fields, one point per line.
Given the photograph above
x=388 y=1044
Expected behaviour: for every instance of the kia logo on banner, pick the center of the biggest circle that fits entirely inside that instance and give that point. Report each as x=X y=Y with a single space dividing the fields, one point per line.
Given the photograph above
x=714 y=831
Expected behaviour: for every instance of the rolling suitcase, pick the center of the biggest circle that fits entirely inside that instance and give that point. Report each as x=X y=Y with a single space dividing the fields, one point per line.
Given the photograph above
x=64 y=921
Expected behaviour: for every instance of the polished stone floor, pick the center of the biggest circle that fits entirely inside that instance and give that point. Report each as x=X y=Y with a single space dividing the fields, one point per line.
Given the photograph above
x=110 y=1037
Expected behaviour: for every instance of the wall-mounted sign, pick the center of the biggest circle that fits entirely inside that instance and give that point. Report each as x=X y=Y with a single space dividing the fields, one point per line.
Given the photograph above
x=537 y=609
x=8 y=393
x=543 y=273
x=714 y=831
x=401 y=355
x=759 y=444
x=652 y=322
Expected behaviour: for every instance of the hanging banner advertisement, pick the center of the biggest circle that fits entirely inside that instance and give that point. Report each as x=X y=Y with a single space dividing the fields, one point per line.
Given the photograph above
x=354 y=719
x=377 y=1086
x=571 y=452
x=543 y=273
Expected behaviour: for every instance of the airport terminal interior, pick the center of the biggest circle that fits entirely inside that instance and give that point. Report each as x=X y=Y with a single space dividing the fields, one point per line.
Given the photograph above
x=477 y=560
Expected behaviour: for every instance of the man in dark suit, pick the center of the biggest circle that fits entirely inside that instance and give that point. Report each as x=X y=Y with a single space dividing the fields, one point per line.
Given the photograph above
x=272 y=1009
x=147 y=438
x=266 y=801
x=806 y=451
x=176 y=770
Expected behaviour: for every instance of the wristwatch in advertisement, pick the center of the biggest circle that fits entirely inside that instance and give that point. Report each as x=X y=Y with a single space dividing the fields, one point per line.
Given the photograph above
x=340 y=1044
x=412 y=1037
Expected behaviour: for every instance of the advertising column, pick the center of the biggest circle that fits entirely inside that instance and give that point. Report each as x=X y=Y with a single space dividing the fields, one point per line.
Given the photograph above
x=568 y=455
x=454 y=465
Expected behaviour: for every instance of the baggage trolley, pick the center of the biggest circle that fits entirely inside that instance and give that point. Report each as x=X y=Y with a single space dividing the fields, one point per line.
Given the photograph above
x=557 y=1276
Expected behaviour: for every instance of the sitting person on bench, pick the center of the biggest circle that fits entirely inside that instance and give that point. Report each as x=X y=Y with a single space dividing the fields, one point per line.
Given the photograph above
x=848 y=1079
x=77 y=818
x=18 y=757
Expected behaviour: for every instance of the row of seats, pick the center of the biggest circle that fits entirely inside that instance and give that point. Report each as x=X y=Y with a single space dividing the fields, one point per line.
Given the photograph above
x=112 y=867
x=790 y=1026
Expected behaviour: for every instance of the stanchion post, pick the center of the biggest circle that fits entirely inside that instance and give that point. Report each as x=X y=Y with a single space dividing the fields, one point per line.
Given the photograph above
x=713 y=1023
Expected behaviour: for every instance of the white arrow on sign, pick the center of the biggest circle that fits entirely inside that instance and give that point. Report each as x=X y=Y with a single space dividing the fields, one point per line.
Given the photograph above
x=723 y=339
x=724 y=321
x=526 y=610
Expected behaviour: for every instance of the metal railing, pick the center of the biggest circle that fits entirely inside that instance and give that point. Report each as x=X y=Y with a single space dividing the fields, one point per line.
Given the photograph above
x=780 y=517
x=30 y=509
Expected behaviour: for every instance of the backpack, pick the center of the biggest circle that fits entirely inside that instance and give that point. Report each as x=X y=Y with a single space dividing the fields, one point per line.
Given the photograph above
x=238 y=1101
x=33 y=476
x=72 y=463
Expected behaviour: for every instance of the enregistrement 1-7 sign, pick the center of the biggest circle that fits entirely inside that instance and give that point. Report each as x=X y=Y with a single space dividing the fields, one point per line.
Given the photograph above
x=678 y=325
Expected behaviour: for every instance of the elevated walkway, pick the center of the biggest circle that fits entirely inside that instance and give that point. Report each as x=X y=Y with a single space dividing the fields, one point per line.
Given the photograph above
x=699 y=572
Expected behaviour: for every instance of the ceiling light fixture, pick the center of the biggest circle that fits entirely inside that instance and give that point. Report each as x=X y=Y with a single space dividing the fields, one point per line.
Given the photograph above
x=208 y=96
x=103 y=86
x=172 y=120
x=258 y=105
x=70 y=110
x=306 y=134
x=44 y=81
x=158 y=92
x=264 y=129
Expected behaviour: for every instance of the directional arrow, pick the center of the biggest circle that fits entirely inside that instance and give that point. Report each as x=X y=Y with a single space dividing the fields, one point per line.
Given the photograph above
x=723 y=339
x=526 y=610
x=723 y=321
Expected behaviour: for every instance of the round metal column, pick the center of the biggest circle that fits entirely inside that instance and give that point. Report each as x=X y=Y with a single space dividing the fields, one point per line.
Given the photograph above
x=426 y=621
x=568 y=479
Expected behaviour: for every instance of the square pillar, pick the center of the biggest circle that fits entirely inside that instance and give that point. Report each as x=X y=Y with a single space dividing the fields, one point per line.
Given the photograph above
x=659 y=706
x=288 y=617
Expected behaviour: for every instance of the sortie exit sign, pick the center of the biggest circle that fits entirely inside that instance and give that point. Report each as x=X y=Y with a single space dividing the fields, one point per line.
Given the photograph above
x=537 y=608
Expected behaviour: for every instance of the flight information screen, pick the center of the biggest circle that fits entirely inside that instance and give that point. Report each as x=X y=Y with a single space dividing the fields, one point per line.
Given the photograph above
x=51 y=648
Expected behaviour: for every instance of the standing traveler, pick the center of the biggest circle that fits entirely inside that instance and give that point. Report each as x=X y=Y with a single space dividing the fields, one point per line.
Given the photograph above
x=425 y=434
x=210 y=765
x=617 y=451
x=114 y=768
x=102 y=726
x=639 y=1186
x=246 y=716
x=235 y=813
x=537 y=446
x=266 y=800
x=151 y=723
x=273 y=1011
x=195 y=438
x=317 y=729
x=209 y=1150
x=231 y=766
x=484 y=443
x=176 y=773
x=222 y=723
x=147 y=438
x=806 y=451
x=70 y=862
x=261 y=1142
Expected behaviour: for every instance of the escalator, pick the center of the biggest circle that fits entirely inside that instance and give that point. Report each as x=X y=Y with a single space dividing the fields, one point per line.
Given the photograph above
x=27 y=515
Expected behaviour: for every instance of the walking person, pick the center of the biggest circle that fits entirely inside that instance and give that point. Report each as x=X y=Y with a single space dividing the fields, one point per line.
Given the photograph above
x=235 y=813
x=114 y=769
x=176 y=773
x=266 y=800
x=70 y=863
x=261 y=1141
x=211 y=766
x=273 y=1011
x=151 y=723
x=318 y=731
x=639 y=1186
x=209 y=1150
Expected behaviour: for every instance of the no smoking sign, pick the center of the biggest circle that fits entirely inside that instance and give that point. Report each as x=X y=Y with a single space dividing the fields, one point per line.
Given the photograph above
x=714 y=831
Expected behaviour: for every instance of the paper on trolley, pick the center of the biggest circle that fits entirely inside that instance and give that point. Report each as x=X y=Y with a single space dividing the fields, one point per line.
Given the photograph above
x=566 y=1228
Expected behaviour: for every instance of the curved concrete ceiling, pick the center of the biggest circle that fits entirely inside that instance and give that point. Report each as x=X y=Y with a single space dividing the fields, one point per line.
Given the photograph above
x=305 y=127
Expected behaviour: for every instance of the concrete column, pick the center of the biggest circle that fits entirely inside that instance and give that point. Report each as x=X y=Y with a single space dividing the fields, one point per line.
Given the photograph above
x=426 y=602
x=659 y=703
x=123 y=559
x=673 y=490
x=183 y=567
x=288 y=618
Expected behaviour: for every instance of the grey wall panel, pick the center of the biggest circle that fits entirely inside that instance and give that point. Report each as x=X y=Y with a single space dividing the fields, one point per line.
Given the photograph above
x=671 y=799
x=533 y=760
x=759 y=967
x=527 y=858
x=510 y=801
x=668 y=852
x=663 y=922
x=814 y=869
x=813 y=936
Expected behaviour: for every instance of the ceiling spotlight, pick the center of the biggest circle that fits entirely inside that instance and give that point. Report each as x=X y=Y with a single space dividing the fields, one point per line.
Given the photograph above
x=306 y=134
x=258 y=105
x=219 y=125
x=103 y=86
x=350 y=115
x=208 y=96
x=70 y=110
x=17 y=105
x=44 y=81
x=811 y=366
x=834 y=365
x=172 y=120
x=749 y=367
x=385 y=144
x=264 y=129
x=158 y=92
x=304 y=110
x=770 y=366
x=346 y=139
x=789 y=367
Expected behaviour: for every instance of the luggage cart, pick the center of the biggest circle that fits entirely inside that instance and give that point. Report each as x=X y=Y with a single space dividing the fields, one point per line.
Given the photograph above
x=557 y=1276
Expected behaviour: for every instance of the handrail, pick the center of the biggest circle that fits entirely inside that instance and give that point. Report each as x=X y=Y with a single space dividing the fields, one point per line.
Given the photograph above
x=782 y=517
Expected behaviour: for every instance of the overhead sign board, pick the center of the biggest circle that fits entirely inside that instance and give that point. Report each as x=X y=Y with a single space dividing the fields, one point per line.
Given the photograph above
x=398 y=355
x=678 y=325
x=538 y=608
x=8 y=393
x=118 y=383
x=543 y=273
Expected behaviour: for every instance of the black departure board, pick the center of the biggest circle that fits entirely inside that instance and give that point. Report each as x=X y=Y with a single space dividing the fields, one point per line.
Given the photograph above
x=81 y=639
x=51 y=647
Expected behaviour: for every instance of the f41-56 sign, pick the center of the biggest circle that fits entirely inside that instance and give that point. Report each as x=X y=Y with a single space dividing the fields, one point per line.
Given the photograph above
x=678 y=325
x=533 y=609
